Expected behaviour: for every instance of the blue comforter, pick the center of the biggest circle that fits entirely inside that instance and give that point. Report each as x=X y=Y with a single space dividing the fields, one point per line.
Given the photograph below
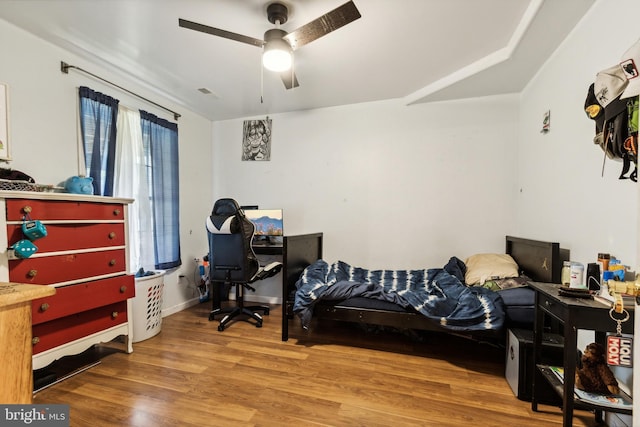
x=438 y=293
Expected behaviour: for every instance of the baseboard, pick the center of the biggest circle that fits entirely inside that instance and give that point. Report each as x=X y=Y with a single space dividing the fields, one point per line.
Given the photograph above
x=179 y=307
x=262 y=299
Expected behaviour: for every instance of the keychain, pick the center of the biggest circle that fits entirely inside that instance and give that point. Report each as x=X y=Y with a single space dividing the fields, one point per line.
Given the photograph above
x=619 y=348
x=33 y=229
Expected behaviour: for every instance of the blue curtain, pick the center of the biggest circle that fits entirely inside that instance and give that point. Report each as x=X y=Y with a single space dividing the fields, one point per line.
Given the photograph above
x=98 y=116
x=160 y=140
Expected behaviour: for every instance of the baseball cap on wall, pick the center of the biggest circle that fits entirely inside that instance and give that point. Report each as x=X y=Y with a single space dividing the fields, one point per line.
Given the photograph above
x=629 y=65
x=608 y=87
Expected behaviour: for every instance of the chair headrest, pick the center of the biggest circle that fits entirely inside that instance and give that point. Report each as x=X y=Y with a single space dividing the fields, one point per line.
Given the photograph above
x=225 y=207
x=223 y=224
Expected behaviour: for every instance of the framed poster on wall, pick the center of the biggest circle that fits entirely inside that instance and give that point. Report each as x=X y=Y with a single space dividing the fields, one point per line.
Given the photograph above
x=256 y=140
x=4 y=122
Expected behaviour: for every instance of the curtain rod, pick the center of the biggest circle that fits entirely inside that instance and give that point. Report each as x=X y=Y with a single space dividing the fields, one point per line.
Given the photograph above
x=64 y=67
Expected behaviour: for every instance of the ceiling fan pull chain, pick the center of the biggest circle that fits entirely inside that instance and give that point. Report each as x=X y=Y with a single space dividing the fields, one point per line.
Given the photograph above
x=293 y=73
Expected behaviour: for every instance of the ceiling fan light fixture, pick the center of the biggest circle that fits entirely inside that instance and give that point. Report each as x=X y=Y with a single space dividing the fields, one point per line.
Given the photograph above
x=277 y=60
x=277 y=55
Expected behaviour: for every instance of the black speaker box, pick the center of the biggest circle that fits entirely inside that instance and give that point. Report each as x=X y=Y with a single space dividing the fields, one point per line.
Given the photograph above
x=519 y=364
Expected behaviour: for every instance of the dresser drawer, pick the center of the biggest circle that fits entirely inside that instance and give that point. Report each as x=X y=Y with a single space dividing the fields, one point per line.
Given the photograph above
x=60 y=210
x=66 y=237
x=63 y=268
x=82 y=297
x=66 y=329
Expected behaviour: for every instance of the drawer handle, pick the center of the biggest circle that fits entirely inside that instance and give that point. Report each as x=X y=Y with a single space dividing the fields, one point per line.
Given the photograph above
x=548 y=304
x=44 y=307
x=114 y=314
x=32 y=273
x=116 y=212
x=112 y=235
x=35 y=340
x=123 y=289
x=112 y=262
x=26 y=209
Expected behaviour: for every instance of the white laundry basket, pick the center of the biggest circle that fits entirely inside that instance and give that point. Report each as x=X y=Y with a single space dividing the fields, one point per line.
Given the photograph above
x=147 y=306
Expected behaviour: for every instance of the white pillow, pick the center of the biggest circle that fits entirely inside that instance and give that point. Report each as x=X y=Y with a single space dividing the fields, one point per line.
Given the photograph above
x=483 y=267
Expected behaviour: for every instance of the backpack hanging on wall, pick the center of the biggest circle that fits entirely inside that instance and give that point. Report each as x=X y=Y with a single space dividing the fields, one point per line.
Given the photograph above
x=615 y=131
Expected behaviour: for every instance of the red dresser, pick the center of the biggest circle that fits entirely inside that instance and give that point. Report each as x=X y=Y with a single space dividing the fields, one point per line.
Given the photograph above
x=84 y=256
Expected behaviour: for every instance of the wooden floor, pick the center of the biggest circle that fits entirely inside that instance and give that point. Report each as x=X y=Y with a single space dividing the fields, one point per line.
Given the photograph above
x=192 y=375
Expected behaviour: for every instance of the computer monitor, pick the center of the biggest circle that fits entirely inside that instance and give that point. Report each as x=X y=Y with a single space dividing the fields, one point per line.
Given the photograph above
x=268 y=226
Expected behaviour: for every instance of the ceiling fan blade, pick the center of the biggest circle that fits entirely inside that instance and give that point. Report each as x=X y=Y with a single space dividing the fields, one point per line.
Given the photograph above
x=331 y=21
x=289 y=79
x=220 y=33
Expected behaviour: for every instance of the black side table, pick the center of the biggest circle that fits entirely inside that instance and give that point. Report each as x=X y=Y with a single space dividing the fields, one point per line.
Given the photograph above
x=574 y=314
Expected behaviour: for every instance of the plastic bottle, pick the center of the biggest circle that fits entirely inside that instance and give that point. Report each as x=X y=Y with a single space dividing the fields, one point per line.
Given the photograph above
x=603 y=260
x=577 y=276
x=565 y=275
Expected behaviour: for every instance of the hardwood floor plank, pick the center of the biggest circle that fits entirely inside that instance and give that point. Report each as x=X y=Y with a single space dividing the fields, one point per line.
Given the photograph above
x=337 y=375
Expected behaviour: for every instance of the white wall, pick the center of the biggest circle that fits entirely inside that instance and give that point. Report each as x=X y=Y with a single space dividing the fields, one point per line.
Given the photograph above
x=43 y=136
x=562 y=195
x=390 y=186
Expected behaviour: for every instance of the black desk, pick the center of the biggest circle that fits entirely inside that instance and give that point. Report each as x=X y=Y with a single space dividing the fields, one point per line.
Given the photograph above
x=268 y=249
x=298 y=252
x=574 y=313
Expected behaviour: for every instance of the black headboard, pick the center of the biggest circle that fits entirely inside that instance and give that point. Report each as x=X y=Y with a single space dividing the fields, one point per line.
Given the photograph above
x=538 y=260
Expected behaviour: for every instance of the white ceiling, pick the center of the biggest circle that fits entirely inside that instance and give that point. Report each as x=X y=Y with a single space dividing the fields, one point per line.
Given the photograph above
x=416 y=50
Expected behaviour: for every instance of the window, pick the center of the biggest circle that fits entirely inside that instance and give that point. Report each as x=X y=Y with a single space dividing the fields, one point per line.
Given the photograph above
x=160 y=142
x=141 y=163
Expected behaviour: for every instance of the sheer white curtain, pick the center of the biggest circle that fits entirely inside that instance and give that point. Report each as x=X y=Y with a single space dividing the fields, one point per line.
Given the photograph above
x=131 y=182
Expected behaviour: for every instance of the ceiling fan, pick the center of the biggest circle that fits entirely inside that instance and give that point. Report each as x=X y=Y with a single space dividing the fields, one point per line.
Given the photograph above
x=278 y=45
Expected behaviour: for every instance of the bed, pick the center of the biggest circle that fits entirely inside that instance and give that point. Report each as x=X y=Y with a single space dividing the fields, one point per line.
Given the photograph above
x=510 y=307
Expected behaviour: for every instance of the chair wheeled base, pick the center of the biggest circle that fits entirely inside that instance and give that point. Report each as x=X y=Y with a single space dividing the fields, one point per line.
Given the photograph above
x=240 y=309
x=237 y=311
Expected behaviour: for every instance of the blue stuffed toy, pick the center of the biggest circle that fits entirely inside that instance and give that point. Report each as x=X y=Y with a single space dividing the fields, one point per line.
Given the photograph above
x=79 y=185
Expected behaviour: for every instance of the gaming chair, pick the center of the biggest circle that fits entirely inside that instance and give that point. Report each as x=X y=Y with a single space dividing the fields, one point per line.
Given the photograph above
x=232 y=261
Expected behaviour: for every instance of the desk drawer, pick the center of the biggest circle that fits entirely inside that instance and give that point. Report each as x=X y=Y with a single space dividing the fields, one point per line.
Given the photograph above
x=63 y=209
x=67 y=237
x=82 y=297
x=66 y=329
x=551 y=306
x=62 y=268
